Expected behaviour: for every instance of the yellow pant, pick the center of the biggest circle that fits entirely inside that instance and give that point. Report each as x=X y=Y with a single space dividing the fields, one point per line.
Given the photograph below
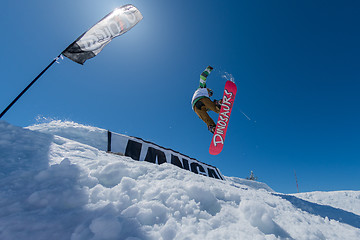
x=202 y=112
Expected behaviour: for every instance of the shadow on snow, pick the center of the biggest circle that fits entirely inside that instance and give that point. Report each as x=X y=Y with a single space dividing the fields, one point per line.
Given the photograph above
x=323 y=210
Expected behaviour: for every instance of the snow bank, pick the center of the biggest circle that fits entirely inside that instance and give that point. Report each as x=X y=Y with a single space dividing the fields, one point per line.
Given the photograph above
x=346 y=200
x=56 y=184
x=88 y=135
x=234 y=181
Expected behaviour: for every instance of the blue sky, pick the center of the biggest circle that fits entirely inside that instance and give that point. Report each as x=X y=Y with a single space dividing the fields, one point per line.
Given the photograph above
x=296 y=65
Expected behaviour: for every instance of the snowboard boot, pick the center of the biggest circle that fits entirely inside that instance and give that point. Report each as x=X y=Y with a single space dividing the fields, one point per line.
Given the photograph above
x=218 y=103
x=212 y=128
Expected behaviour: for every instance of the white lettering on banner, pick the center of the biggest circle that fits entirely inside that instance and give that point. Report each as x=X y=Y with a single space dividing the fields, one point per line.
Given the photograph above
x=104 y=31
x=131 y=17
x=141 y=150
x=93 y=40
x=224 y=119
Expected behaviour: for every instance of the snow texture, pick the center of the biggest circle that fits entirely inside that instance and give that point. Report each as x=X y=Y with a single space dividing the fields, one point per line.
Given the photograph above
x=57 y=182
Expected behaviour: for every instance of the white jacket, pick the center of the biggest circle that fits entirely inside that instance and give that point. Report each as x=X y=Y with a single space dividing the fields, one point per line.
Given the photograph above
x=199 y=93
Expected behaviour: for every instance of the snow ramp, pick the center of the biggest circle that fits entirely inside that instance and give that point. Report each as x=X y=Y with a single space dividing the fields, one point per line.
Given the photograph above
x=133 y=147
x=53 y=187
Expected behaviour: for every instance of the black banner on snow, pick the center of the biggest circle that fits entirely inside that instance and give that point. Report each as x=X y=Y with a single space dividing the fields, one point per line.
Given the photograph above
x=141 y=150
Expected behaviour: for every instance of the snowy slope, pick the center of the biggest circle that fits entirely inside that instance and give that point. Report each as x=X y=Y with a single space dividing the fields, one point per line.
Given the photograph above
x=58 y=183
x=346 y=200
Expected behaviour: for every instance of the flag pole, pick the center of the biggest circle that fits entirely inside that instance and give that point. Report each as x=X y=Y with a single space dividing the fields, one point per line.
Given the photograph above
x=297 y=185
x=27 y=88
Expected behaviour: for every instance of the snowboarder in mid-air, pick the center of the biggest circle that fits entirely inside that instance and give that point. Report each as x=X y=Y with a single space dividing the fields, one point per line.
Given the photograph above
x=201 y=102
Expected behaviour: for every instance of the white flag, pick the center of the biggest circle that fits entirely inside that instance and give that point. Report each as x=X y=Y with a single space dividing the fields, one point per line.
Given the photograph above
x=116 y=23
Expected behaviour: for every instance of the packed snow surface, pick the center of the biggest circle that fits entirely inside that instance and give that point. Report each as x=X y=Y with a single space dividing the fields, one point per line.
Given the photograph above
x=57 y=182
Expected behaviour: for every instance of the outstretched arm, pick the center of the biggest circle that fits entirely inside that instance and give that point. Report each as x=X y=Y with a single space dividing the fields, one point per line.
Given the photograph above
x=204 y=75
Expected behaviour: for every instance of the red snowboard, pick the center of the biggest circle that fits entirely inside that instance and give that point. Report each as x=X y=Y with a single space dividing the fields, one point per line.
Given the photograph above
x=217 y=142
